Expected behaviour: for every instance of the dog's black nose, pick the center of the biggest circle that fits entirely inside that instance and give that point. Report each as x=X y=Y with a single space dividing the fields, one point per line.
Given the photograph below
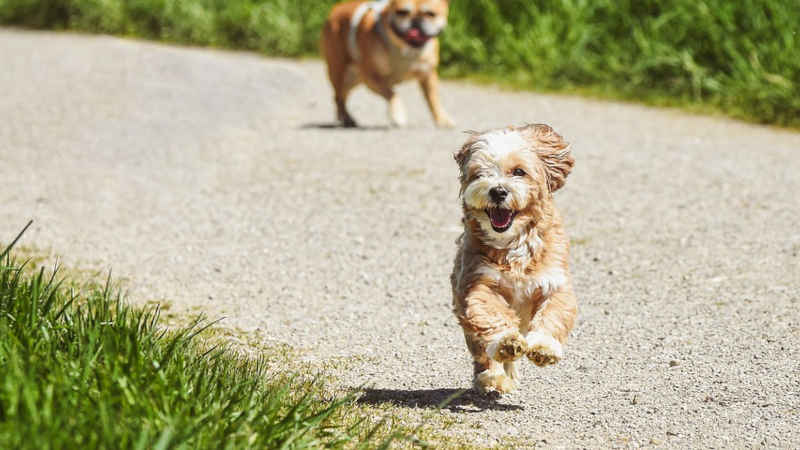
x=498 y=193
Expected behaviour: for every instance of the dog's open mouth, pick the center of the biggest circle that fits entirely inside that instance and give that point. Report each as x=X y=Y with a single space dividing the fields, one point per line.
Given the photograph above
x=501 y=218
x=414 y=36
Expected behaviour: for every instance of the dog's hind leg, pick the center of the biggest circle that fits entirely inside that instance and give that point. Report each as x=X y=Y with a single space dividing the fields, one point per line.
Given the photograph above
x=492 y=378
x=342 y=71
x=488 y=374
x=511 y=371
x=349 y=81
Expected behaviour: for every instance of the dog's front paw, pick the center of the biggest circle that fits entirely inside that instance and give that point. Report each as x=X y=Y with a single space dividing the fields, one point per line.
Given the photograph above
x=494 y=380
x=445 y=122
x=543 y=349
x=507 y=347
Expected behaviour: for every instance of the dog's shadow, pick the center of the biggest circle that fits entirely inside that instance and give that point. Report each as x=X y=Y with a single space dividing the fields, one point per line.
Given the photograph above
x=456 y=400
x=338 y=126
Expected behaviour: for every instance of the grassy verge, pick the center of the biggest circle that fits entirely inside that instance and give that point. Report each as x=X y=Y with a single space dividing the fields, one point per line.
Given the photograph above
x=739 y=58
x=81 y=369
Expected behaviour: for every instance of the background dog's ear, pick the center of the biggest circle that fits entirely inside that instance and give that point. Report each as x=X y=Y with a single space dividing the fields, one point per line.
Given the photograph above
x=551 y=148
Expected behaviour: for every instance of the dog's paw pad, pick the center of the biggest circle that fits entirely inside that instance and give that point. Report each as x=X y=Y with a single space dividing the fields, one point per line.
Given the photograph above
x=543 y=350
x=542 y=359
x=510 y=347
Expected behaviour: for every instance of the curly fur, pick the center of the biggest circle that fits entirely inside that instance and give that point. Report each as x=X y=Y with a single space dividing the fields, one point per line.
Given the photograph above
x=510 y=282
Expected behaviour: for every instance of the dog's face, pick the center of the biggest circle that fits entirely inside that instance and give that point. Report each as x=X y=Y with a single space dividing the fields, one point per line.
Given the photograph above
x=415 y=22
x=507 y=178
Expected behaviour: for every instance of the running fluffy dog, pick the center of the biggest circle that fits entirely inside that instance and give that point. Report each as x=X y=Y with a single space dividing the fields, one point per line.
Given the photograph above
x=511 y=285
x=382 y=43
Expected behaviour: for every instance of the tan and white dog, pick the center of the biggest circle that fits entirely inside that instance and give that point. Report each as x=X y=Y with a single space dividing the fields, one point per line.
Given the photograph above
x=382 y=43
x=512 y=293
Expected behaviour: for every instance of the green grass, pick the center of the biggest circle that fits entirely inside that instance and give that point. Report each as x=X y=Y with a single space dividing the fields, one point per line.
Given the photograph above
x=81 y=369
x=741 y=58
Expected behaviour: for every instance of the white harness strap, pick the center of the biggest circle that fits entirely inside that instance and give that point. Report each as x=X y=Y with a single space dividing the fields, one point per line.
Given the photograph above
x=376 y=6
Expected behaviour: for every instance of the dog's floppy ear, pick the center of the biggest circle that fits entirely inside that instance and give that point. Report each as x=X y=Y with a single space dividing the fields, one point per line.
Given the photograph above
x=551 y=148
x=461 y=155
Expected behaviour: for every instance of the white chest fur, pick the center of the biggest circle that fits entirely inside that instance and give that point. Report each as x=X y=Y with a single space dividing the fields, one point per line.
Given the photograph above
x=523 y=288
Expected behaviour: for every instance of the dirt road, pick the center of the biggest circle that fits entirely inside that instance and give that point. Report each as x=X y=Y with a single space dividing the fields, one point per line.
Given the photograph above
x=209 y=179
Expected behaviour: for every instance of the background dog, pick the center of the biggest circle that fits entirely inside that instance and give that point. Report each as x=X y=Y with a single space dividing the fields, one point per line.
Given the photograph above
x=381 y=44
x=512 y=293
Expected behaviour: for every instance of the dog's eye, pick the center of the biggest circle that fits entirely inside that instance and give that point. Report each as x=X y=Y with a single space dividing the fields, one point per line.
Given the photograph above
x=402 y=12
x=519 y=172
x=430 y=14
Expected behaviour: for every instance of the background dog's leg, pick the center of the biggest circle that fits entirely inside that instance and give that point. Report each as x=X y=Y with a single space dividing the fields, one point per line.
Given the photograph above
x=343 y=81
x=341 y=70
x=397 y=111
x=551 y=326
x=430 y=87
x=491 y=329
x=350 y=79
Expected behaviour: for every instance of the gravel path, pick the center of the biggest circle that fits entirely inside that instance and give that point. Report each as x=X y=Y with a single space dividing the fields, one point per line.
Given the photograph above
x=206 y=178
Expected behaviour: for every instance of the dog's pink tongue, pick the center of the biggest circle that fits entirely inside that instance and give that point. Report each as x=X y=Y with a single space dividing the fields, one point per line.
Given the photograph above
x=415 y=35
x=500 y=217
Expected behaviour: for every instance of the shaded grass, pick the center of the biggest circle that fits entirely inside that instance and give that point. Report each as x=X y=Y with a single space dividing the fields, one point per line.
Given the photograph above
x=741 y=58
x=85 y=370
